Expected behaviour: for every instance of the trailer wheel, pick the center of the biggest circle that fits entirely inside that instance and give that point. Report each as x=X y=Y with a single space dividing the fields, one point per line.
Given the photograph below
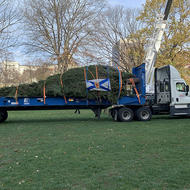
x=97 y=112
x=114 y=114
x=125 y=114
x=3 y=115
x=143 y=114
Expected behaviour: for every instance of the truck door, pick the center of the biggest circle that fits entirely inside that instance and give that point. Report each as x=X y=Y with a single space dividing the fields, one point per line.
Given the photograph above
x=180 y=104
x=180 y=95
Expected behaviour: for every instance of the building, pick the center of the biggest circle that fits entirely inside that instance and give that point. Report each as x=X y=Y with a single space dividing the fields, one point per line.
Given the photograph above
x=12 y=73
x=13 y=66
x=128 y=53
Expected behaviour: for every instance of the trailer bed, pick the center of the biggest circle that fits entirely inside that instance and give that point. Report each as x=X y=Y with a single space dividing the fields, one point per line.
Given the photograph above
x=38 y=103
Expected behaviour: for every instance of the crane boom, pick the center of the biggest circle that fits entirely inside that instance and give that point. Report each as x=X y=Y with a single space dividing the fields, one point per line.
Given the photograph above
x=154 y=46
x=167 y=10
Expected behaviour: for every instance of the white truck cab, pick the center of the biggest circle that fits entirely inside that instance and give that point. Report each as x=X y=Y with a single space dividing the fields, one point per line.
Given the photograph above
x=171 y=91
x=180 y=101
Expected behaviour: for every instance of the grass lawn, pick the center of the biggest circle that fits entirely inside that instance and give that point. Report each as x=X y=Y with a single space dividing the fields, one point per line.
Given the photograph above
x=57 y=150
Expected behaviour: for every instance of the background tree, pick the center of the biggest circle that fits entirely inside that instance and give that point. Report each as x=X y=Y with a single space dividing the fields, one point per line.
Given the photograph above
x=175 y=47
x=9 y=17
x=60 y=28
x=116 y=39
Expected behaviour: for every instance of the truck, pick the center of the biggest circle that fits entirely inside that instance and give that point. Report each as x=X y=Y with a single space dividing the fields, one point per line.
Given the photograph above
x=152 y=91
x=171 y=96
x=166 y=92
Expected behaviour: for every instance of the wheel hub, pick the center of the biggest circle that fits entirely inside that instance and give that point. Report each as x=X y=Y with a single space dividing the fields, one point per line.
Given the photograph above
x=145 y=114
x=126 y=115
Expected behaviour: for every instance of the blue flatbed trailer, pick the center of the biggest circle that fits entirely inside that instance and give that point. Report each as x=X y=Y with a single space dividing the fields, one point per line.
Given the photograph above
x=59 y=103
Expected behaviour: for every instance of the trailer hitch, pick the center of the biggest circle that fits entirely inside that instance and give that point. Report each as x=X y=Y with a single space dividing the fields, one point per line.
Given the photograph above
x=77 y=111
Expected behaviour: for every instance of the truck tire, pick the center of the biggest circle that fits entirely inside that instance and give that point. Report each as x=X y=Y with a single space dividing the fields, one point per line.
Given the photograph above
x=143 y=114
x=125 y=114
x=3 y=115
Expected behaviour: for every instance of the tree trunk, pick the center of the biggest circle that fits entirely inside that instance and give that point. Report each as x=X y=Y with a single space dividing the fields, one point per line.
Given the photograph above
x=63 y=65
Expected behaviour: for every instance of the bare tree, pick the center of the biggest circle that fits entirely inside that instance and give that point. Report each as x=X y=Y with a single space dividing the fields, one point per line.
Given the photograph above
x=9 y=17
x=60 y=28
x=4 y=58
x=117 y=37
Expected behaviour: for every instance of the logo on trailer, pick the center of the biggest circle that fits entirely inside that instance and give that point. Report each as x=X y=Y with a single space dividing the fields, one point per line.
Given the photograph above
x=26 y=101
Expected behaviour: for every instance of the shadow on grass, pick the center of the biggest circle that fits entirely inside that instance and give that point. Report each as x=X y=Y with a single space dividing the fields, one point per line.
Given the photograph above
x=53 y=120
x=82 y=119
x=167 y=117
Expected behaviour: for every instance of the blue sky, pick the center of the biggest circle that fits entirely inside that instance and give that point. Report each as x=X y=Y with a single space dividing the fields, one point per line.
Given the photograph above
x=128 y=3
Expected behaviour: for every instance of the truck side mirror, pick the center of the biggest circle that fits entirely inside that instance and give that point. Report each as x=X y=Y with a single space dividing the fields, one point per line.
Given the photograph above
x=187 y=89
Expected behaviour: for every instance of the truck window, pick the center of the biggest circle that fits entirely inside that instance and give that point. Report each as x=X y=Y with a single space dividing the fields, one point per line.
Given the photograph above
x=181 y=87
x=161 y=86
x=166 y=86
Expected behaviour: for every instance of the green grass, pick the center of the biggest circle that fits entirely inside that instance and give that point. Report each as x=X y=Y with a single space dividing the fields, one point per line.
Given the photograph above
x=56 y=150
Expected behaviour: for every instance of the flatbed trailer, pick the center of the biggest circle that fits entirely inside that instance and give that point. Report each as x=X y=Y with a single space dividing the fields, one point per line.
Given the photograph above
x=171 y=97
x=60 y=103
x=156 y=90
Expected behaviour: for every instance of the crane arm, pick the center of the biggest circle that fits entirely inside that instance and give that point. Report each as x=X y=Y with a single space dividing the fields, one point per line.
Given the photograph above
x=167 y=10
x=154 y=46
